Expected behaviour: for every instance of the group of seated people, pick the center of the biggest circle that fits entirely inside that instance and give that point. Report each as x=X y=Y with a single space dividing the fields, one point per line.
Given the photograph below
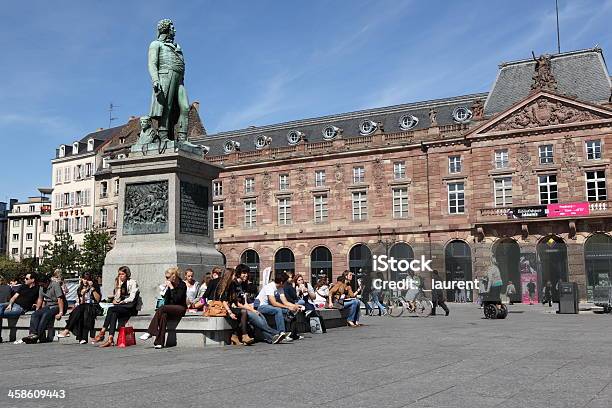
x=224 y=292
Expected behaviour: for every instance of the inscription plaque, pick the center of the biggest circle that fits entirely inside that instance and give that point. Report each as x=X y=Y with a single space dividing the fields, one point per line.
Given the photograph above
x=146 y=208
x=194 y=209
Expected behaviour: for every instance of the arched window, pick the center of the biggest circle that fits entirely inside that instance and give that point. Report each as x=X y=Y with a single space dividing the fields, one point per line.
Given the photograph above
x=507 y=255
x=320 y=264
x=360 y=262
x=224 y=259
x=401 y=251
x=458 y=262
x=284 y=261
x=552 y=262
x=598 y=262
x=250 y=258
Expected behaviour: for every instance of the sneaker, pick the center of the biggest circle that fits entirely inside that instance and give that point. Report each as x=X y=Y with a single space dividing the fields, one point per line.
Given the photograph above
x=62 y=335
x=145 y=337
x=83 y=342
x=18 y=342
x=279 y=338
x=31 y=339
x=158 y=346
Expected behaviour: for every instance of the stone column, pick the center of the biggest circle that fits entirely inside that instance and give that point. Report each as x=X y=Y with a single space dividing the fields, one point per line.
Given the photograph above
x=164 y=219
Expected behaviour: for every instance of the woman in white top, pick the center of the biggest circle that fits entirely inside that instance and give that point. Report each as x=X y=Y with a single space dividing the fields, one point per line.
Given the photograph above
x=126 y=303
x=193 y=288
x=321 y=293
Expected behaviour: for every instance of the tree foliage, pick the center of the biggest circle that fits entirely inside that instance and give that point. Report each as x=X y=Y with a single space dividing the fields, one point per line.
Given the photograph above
x=11 y=269
x=93 y=251
x=62 y=253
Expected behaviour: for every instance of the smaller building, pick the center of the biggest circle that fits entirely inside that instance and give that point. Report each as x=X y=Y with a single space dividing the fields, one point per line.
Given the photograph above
x=4 y=210
x=29 y=227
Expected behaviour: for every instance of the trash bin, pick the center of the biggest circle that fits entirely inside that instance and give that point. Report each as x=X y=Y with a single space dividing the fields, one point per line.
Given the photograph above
x=568 y=298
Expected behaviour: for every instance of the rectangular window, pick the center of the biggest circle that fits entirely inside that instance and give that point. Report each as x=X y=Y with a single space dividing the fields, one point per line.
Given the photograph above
x=89 y=170
x=66 y=174
x=15 y=237
x=593 y=149
x=319 y=178
x=399 y=170
x=29 y=236
x=28 y=251
x=503 y=191
x=454 y=164
x=45 y=226
x=217 y=188
x=103 y=218
x=15 y=251
x=15 y=223
x=32 y=208
x=456 y=198
x=218 y=216
x=546 y=154
x=249 y=185
x=78 y=224
x=360 y=206
x=66 y=201
x=548 y=189
x=117 y=187
x=358 y=174
x=30 y=222
x=501 y=159
x=400 y=202
x=58 y=175
x=320 y=208
x=284 y=211
x=250 y=214
x=103 y=189
x=283 y=182
x=78 y=198
x=596 y=185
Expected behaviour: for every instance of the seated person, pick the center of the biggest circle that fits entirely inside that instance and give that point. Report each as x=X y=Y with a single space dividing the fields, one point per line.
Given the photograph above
x=248 y=288
x=203 y=292
x=51 y=304
x=193 y=287
x=267 y=303
x=22 y=301
x=82 y=319
x=305 y=292
x=341 y=296
x=321 y=293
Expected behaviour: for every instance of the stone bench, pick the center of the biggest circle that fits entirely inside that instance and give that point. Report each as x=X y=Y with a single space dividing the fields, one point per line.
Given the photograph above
x=193 y=330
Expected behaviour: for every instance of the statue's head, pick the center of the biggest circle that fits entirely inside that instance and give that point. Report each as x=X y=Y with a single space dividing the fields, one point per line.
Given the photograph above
x=166 y=27
x=145 y=122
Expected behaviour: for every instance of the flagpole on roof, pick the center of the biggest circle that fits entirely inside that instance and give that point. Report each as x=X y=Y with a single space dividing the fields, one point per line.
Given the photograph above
x=558 y=37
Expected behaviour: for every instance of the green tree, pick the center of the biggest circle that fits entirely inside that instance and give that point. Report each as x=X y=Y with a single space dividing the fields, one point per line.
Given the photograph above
x=62 y=253
x=11 y=269
x=93 y=251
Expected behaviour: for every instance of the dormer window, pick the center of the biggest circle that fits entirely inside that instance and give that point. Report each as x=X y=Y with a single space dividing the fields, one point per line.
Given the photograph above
x=408 y=122
x=462 y=114
x=367 y=127
x=231 y=146
x=105 y=162
x=62 y=150
x=330 y=132
x=121 y=156
x=262 y=141
x=122 y=140
x=75 y=148
x=294 y=137
x=90 y=145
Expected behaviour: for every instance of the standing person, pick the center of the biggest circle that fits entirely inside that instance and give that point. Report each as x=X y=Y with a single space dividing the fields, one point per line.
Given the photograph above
x=510 y=292
x=494 y=283
x=548 y=294
x=437 y=295
x=22 y=301
x=376 y=295
x=126 y=303
x=531 y=290
x=482 y=289
x=341 y=296
x=365 y=288
x=193 y=287
x=174 y=308
x=51 y=304
x=82 y=319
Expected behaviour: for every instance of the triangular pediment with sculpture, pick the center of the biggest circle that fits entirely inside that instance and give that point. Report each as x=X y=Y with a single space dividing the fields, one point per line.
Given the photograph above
x=544 y=110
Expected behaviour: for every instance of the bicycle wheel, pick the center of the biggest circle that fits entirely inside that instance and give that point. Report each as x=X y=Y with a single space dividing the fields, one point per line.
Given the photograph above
x=395 y=307
x=423 y=307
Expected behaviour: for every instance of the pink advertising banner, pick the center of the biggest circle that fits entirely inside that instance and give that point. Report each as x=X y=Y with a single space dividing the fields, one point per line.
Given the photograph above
x=568 y=210
x=529 y=278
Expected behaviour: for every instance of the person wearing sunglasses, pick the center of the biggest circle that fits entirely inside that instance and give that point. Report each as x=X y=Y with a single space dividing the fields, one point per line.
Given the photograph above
x=22 y=301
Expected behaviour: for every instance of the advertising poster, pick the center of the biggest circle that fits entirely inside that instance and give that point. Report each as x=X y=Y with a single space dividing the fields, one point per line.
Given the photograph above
x=529 y=278
x=568 y=210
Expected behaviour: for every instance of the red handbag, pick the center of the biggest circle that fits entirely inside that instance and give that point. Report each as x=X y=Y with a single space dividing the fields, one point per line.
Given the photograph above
x=127 y=337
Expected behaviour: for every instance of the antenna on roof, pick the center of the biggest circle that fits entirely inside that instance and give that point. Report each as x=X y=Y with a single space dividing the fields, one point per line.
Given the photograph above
x=558 y=37
x=111 y=107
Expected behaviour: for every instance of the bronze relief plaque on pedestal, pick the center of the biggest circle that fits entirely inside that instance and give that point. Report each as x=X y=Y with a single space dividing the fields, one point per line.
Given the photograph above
x=146 y=208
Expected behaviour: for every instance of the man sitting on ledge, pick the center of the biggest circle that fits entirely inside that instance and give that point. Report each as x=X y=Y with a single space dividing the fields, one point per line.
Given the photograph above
x=267 y=304
x=52 y=297
x=22 y=301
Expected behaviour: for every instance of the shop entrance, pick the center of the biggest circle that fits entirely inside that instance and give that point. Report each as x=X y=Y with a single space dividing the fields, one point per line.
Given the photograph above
x=552 y=263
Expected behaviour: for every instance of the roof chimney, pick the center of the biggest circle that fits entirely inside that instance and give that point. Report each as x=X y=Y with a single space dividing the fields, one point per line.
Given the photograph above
x=132 y=118
x=99 y=129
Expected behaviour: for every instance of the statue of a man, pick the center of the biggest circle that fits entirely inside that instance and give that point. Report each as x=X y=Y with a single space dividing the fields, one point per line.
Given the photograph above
x=169 y=104
x=147 y=133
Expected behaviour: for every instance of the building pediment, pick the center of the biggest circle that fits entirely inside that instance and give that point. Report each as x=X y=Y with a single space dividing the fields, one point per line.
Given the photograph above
x=544 y=110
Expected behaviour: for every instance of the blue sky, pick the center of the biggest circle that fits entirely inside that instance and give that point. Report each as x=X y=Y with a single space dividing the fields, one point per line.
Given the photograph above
x=256 y=62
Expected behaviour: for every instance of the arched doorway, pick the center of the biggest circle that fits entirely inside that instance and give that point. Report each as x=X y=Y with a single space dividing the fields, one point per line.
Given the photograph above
x=224 y=259
x=552 y=262
x=597 y=262
x=360 y=262
x=458 y=263
x=320 y=264
x=284 y=261
x=507 y=253
x=250 y=258
x=400 y=251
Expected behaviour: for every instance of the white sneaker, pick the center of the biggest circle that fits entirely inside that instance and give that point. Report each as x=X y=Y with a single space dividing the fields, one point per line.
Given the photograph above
x=158 y=346
x=18 y=341
x=145 y=337
x=61 y=335
x=83 y=342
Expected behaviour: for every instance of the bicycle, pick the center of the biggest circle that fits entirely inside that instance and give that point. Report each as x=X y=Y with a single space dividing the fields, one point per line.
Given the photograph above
x=421 y=305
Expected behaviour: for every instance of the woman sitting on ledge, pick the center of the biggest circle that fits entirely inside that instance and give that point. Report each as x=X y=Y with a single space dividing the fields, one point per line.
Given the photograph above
x=174 y=307
x=341 y=296
x=82 y=319
x=126 y=303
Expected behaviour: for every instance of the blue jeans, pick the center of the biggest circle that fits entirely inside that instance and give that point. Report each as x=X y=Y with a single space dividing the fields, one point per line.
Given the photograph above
x=277 y=312
x=307 y=305
x=41 y=318
x=260 y=322
x=15 y=312
x=353 y=306
x=376 y=302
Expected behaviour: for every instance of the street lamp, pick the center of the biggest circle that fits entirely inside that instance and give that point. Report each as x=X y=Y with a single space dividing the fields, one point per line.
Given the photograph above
x=387 y=243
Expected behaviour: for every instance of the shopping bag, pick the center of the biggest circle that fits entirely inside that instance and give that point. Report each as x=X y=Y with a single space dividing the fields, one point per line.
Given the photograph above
x=127 y=337
x=315 y=325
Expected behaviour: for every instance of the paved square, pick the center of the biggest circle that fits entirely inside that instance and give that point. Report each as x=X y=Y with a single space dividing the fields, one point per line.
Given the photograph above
x=534 y=358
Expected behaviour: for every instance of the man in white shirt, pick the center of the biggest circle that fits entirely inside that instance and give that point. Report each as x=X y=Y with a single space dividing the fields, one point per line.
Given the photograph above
x=267 y=304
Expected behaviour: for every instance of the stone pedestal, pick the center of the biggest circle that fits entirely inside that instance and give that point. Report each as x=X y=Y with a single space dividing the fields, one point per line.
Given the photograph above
x=164 y=219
